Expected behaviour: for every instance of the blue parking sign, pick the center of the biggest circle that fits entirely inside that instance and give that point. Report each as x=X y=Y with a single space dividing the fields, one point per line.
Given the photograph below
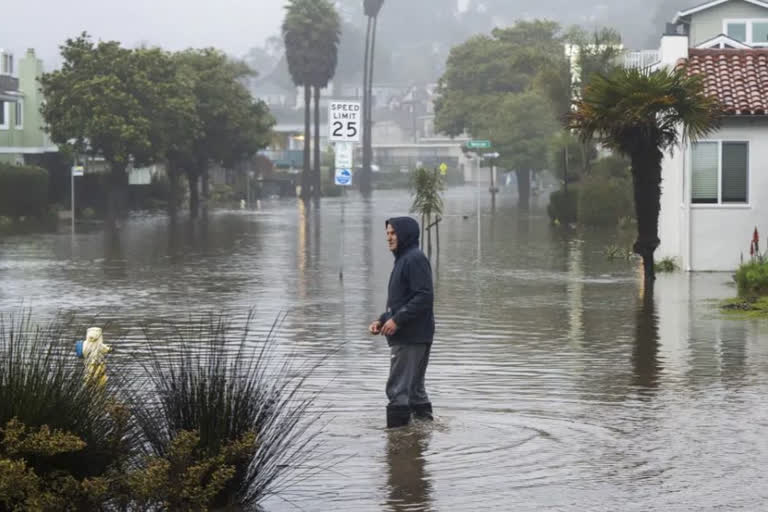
x=343 y=177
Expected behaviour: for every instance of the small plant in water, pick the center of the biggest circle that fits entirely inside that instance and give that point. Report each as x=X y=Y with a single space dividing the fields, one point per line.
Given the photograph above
x=617 y=252
x=667 y=264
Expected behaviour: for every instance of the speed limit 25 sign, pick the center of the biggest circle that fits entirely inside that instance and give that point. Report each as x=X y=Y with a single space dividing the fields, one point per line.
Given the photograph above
x=344 y=121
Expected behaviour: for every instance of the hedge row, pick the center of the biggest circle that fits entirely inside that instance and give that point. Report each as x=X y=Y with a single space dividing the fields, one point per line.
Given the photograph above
x=23 y=191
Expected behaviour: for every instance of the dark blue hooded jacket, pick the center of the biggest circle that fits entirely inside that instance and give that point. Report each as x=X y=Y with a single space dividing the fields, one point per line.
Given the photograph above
x=410 y=296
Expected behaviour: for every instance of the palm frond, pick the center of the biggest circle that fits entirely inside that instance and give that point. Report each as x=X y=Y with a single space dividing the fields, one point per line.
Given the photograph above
x=628 y=109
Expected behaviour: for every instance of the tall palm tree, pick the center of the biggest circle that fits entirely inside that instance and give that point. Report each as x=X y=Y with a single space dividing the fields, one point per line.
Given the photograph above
x=642 y=115
x=371 y=8
x=298 y=31
x=328 y=26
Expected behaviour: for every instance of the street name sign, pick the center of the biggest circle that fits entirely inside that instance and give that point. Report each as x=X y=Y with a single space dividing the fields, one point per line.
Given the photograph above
x=479 y=144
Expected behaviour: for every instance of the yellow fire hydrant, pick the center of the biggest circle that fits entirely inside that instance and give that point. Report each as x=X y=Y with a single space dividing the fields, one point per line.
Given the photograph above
x=94 y=351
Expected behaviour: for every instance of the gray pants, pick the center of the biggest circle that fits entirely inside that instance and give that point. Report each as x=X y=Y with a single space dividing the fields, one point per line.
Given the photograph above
x=407 y=369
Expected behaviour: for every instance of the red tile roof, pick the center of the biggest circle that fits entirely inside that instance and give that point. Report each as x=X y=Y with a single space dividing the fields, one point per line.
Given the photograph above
x=738 y=78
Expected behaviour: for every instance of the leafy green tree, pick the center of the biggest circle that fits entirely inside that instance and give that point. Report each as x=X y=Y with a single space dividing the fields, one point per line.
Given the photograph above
x=103 y=101
x=478 y=93
x=227 y=125
x=640 y=116
x=521 y=129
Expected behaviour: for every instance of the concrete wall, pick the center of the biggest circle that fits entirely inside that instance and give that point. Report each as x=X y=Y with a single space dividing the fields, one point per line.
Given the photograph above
x=719 y=234
x=709 y=23
x=673 y=208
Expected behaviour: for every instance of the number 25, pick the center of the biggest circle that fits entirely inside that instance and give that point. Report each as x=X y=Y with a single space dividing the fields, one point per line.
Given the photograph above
x=338 y=126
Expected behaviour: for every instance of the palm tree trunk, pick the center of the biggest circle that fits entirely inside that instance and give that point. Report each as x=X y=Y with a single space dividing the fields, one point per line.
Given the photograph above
x=524 y=189
x=365 y=176
x=316 y=148
x=646 y=177
x=306 y=178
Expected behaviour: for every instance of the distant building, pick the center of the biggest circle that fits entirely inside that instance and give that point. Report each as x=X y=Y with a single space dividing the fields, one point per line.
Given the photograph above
x=21 y=124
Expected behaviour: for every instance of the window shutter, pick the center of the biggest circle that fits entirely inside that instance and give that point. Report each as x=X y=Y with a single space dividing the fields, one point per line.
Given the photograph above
x=735 y=158
x=704 y=169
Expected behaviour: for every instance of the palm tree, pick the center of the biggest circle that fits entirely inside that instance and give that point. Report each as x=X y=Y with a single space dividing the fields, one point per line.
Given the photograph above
x=298 y=32
x=371 y=9
x=328 y=26
x=642 y=115
x=427 y=187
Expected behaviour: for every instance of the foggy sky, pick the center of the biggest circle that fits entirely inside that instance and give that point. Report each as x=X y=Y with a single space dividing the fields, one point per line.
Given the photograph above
x=238 y=25
x=231 y=25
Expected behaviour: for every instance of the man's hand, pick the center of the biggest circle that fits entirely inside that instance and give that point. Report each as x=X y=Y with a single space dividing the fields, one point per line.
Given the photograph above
x=389 y=328
x=375 y=327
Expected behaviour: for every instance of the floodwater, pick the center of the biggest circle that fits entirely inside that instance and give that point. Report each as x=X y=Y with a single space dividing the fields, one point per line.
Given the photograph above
x=558 y=383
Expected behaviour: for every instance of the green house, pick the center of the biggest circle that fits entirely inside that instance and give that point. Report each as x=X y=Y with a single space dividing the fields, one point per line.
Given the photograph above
x=21 y=125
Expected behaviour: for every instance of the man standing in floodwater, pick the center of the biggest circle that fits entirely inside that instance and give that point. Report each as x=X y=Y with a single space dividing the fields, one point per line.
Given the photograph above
x=408 y=324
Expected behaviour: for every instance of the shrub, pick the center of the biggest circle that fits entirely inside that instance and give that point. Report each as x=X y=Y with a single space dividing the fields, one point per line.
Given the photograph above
x=563 y=207
x=43 y=384
x=611 y=166
x=186 y=478
x=328 y=187
x=667 y=265
x=229 y=391
x=752 y=279
x=222 y=194
x=23 y=488
x=23 y=191
x=602 y=202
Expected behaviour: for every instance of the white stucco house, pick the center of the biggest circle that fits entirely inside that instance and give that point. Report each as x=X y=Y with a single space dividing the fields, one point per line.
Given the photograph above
x=715 y=191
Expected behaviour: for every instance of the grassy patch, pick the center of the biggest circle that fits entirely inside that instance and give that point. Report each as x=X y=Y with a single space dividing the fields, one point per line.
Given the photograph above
x=750 y=308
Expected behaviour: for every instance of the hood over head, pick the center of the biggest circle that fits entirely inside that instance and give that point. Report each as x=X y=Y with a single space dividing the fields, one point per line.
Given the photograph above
x=407 y=230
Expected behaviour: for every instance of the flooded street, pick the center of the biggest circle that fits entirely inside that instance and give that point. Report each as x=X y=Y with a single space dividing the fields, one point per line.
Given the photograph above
x=557 y=384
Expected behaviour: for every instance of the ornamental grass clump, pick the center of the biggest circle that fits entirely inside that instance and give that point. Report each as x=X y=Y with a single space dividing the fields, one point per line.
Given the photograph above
x=42 y=384
x=220 y=397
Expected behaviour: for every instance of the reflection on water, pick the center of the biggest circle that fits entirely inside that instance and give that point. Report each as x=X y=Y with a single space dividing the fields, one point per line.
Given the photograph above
x=559 y=383
x=645 y=354
x=408 y=481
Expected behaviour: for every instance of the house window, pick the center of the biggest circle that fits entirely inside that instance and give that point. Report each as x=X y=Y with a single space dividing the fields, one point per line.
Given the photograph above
x=19 y=114
x=3 y=115
x=753 y=32
x=760 y=32
x=737 y=31
x=720 y=172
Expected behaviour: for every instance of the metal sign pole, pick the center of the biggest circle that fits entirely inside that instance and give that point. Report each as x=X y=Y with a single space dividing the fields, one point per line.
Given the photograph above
x=343 y=232
x=72 y=199
x=477 y=206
